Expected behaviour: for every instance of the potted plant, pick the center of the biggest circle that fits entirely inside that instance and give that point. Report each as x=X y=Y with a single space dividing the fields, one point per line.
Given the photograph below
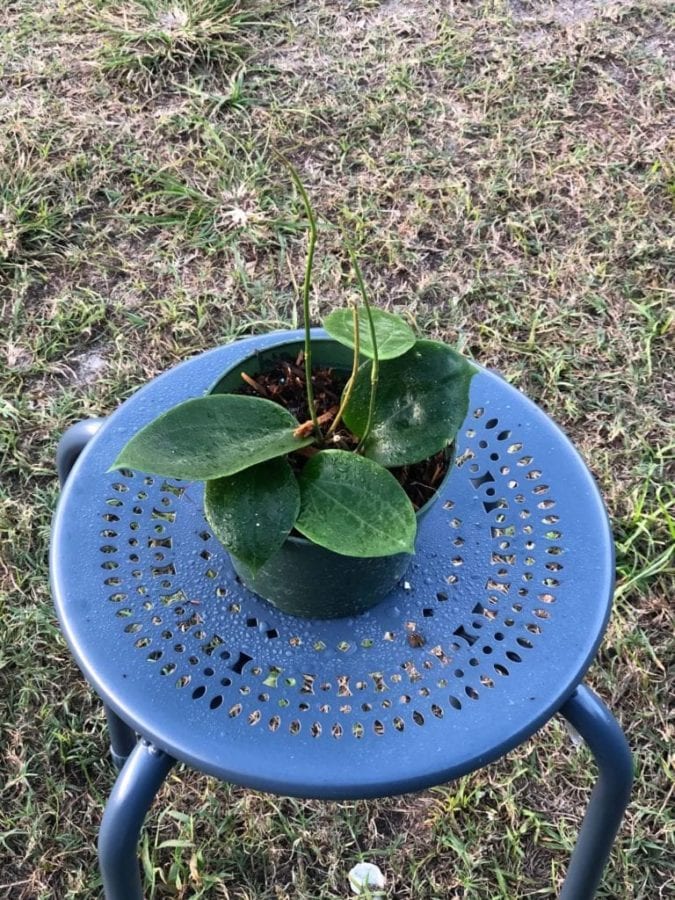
x=319 y=458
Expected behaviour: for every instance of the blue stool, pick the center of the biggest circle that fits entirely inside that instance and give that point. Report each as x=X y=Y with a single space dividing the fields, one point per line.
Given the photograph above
x=488 y=636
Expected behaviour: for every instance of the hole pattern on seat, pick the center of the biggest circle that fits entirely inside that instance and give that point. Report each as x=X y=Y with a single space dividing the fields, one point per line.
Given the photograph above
x=198 y=628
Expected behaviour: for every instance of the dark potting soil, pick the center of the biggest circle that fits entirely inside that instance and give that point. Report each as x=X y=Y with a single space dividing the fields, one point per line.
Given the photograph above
x=284 y=383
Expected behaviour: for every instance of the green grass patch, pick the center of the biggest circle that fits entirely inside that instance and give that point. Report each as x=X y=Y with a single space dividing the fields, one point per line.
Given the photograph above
x=151 y=39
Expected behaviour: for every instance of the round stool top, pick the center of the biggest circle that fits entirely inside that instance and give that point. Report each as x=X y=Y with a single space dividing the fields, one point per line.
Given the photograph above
x=488 y=633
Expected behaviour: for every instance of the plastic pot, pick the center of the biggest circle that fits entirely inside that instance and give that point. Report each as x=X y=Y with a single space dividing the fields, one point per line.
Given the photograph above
x=303 y=579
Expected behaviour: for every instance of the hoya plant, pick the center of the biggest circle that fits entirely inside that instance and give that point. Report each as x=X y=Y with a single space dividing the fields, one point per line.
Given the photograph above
x=327 y=478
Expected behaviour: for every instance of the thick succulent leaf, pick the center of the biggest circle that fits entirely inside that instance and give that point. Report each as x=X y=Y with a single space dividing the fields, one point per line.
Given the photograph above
x=211 y=437
x=252 y=512
x=353 y=506
x=392 y=334
x=422 y=399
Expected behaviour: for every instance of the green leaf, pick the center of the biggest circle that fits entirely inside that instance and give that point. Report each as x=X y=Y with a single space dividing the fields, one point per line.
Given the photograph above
x=353 y=506
x=422 y=399
x=252 y=512
x=212 y=436
x=392 y=334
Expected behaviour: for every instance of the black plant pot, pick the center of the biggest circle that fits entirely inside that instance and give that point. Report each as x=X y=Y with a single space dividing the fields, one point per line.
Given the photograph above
x=303 y=579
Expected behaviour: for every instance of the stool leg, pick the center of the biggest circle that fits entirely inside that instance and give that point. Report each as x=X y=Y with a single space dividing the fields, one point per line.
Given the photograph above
x=595 y=723
x=72 y=443
x=135 y=788
x=122 y=738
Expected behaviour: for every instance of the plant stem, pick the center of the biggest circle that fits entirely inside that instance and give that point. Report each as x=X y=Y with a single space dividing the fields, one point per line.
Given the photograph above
x=349 y=387
x=306 y=289
x=375 y=370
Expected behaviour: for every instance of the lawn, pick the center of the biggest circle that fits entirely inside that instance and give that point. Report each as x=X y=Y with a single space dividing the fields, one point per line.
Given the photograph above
x=505 y=169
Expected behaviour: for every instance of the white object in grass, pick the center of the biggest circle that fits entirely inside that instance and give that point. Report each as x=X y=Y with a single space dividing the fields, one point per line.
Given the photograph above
x=367 y=880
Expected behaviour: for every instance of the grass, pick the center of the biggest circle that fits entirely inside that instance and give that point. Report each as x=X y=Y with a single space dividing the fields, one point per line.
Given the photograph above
x=505 y=170
x=157 y=38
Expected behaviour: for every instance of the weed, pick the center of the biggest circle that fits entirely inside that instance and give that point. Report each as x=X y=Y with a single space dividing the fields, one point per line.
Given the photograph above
x=150 y=37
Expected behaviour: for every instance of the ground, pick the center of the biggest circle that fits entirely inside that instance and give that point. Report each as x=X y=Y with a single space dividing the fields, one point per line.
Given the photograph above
x=505 y=170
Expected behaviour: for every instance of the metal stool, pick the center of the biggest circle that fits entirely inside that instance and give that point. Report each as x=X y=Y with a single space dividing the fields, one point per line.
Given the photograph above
x=488 y=636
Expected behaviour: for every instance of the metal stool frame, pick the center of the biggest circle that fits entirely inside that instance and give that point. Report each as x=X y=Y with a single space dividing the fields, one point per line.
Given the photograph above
x=539 y=679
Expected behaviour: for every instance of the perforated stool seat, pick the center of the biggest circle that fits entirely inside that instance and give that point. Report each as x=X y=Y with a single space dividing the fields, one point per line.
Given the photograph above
x=487 y=636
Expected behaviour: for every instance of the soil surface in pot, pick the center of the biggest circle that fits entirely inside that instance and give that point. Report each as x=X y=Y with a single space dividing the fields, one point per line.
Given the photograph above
x=284 y=383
